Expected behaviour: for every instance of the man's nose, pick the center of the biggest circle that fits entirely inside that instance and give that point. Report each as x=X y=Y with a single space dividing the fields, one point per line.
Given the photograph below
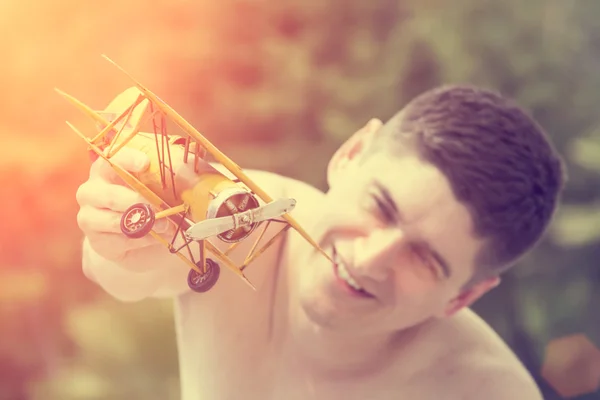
x=374 y=255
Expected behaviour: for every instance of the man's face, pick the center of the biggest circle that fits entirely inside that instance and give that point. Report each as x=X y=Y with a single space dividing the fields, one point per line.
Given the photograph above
x=402 y=243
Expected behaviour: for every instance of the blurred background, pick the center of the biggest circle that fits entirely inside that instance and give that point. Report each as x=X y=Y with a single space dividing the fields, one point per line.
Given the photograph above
x=277 y=85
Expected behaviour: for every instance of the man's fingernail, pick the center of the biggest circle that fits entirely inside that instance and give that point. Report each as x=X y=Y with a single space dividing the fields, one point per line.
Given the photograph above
x=141 y=163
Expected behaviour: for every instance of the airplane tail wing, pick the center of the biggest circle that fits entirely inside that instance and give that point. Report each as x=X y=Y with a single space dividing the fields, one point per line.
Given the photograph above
x=118 y=105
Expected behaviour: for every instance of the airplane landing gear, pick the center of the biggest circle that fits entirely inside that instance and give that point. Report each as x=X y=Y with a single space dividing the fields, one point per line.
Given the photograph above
x=138 y=220
x=202 y=283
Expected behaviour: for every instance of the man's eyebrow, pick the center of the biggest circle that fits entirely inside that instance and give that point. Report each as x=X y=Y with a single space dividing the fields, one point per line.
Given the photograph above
x=389 y=200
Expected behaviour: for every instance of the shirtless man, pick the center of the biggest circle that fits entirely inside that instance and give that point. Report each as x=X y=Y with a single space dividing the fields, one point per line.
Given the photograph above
x=422 y=215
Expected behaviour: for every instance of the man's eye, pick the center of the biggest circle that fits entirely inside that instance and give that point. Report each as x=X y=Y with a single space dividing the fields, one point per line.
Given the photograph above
x=435 y=269
x=428 y=263
x=384 y=210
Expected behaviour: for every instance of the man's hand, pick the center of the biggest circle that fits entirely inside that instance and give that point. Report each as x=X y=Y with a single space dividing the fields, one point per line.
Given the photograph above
x=102 y=199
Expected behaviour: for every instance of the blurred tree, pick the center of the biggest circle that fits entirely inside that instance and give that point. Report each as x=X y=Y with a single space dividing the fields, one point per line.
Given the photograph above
x=279 y=86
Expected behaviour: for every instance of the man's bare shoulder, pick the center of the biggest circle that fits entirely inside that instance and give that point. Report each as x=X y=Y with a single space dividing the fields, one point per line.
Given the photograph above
x=481 y=365
x=486 y=378
x=478 y=375
x=275 y=184
x=306 y=195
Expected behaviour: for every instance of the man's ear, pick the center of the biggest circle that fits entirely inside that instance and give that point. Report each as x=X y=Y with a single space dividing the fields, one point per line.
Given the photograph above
x=351 y=149
x=469 y=295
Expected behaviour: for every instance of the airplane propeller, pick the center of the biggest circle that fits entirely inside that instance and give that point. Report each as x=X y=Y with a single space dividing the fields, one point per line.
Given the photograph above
x=215 y=226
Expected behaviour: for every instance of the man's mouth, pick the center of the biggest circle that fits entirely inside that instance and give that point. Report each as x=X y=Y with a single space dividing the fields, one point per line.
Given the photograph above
x=345 y=279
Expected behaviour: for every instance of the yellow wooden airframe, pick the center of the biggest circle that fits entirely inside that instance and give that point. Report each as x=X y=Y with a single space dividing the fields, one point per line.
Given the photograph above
x=196 y=197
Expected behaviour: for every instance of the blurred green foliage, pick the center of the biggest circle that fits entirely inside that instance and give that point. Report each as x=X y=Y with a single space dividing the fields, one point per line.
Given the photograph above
x=278 y=86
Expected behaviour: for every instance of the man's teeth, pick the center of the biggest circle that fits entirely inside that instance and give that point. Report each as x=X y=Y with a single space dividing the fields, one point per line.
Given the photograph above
x=343 y=273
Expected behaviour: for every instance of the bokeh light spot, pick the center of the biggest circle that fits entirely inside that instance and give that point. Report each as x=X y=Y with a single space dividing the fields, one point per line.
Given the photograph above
x=572 y=366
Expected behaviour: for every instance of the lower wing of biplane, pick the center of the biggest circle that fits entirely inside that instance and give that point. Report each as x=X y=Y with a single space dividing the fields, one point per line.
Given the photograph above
x=212 y=206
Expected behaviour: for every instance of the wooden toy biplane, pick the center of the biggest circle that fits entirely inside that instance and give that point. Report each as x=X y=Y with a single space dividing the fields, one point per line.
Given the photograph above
x=203 y=205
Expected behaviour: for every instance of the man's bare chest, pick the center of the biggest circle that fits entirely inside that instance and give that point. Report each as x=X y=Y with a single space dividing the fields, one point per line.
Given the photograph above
x=240 y=357
x=226 y=341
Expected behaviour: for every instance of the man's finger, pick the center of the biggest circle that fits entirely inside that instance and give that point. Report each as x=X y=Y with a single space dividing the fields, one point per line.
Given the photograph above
x=131 y=160
x=97 y=220
x=99 y=194
x=114 y=246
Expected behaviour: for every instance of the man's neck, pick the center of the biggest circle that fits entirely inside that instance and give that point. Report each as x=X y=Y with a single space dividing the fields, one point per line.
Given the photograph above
x=341 y=355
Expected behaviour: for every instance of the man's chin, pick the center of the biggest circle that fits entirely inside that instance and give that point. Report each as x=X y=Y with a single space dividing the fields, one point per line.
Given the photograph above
x=315 y=310
x=326 y=315
x=319 y=312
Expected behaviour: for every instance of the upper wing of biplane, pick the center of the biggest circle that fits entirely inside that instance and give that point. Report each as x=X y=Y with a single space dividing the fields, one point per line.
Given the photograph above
x=189 y=130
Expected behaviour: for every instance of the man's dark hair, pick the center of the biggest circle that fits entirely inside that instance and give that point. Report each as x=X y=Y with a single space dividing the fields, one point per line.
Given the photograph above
x=499 y=162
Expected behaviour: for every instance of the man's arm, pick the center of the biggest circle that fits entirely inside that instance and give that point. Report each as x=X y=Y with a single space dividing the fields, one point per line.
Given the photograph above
x=124 y=284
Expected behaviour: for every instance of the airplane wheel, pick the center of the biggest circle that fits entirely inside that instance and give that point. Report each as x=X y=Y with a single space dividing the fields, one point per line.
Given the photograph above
x=204 y=282
x=137 y=221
